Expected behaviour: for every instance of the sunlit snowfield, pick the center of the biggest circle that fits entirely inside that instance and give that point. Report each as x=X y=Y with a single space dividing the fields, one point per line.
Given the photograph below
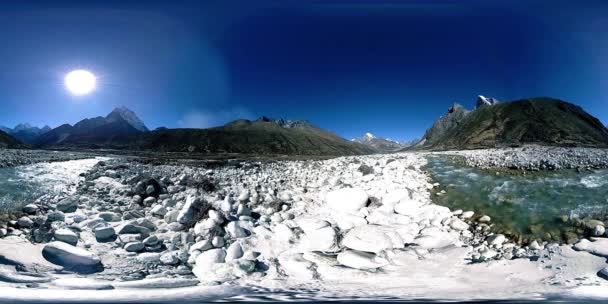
x=20 y=185
x=543 y=205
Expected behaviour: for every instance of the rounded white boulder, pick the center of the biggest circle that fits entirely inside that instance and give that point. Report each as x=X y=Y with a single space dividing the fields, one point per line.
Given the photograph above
x=347 y=199
x=361 y=260
x=368 y=238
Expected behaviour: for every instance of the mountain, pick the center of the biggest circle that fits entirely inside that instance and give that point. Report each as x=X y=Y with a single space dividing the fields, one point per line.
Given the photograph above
x=544 y=121
x=262 y=136
x=7 y=141
x=382 y=145
x=124 y=114
x=25 y=132
x=456 y=114
x=485 y=101
x=94 y=132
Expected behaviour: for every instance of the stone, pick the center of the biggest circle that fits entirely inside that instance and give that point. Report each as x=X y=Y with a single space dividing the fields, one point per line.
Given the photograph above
x=243 y=210
x=132 y=229
x=408 y=207
x=205 y=263
x=186 y=213
x=217 y=241
x=149 y=201
x=55 y=216
x=459 y=225
x=603 y=273
x=598 y=230
x=295 y=266
x=25 y=222
x=368 y=238
x=361 y=260
x=71 y=257
x=322 y=239
x=496 y=239
x=66 y=235
x=348 y=200
x=30 y=208
x=535 y=245
x=347 y=221
x=150 y=190
x=598 y=246
x=243 y=196
x=109 y=216
x=159 y=210
x=151 y=240
x=134 y=246
x=484 y=219
x=148 y=257
x=104 y=233
x=203 y=245
x=234 y=251
x=169 y=258
x=235 y=230
x=67 y=205
x=467 y=214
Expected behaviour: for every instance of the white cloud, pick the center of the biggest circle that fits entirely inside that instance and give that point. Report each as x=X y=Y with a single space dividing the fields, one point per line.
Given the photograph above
x=212 y=118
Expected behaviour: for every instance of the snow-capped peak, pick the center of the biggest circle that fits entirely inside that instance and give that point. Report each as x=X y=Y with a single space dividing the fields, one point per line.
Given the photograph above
x=369 y=136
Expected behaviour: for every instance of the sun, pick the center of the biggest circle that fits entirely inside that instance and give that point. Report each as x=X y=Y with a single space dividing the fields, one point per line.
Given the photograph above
x=80 y=82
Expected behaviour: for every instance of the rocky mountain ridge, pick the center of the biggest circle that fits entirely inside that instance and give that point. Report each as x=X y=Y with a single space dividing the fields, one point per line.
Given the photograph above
x=543 y=121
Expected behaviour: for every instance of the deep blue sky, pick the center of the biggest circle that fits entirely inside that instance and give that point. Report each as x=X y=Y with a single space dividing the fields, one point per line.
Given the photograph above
x=386 y=67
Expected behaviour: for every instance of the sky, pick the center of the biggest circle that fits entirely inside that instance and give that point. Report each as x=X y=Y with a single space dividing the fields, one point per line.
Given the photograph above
x=382 y=66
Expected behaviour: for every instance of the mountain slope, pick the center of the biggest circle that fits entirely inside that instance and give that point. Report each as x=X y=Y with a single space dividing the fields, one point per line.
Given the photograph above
x=25 y=132
x=544 y=121
x=263 y=136
x=94 y=132
x=456 y=114
x=7 y=141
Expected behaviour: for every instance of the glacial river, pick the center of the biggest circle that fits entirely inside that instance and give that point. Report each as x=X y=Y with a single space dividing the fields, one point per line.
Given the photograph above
x=23 y=184
x=547 y=205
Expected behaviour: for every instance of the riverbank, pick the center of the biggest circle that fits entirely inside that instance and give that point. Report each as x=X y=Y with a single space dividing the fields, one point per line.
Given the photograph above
x=18 y=157
x=534 y=158
x=361 y=226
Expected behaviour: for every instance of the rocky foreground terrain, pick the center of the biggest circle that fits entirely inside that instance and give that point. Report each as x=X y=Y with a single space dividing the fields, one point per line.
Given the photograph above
x=350 y=226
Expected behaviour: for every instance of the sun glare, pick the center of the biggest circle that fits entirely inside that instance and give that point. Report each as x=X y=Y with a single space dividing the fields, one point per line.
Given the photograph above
x=80 y=82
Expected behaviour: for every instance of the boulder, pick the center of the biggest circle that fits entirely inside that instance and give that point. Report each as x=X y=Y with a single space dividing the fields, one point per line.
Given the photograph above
x=322 y=239
x=66 y=235
x=30 y=208
x=71 y=257
x=361 y=260
x=186 y=213
x=368 y=238
x=234 y=251
x=55 y=216
x=348 y=200
x=103 y=233
x=25 y=222
x=134 y=246
x=67 y=205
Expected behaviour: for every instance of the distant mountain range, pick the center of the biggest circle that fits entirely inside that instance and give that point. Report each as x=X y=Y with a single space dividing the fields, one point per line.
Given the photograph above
x=381 y=145
x=94 y=132
x=544 y=121
x=122 y=129
x=262 y=136
x=25 y=132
